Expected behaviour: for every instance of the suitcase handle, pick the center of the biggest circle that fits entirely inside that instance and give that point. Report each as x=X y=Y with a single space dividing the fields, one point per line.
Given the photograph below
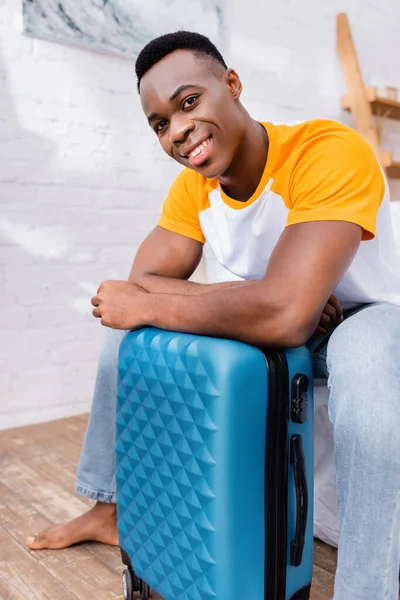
x=300 y=482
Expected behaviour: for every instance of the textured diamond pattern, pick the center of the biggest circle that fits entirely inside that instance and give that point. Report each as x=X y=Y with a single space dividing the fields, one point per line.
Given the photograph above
x=165 y=474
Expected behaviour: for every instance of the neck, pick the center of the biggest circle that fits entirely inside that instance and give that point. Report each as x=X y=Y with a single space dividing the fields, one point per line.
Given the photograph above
x=241 y=179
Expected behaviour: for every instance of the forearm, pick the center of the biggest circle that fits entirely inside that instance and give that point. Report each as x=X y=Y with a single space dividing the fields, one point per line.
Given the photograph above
x=242 y=313
x=155 y=284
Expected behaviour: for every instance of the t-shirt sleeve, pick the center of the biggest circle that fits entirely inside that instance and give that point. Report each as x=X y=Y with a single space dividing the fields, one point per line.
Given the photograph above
x=180 y=213
x=337 y=178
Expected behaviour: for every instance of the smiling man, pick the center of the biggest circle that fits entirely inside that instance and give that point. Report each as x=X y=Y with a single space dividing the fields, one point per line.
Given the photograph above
x=298 y=212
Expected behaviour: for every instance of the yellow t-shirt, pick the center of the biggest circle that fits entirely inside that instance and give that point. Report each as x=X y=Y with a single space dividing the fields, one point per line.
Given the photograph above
x=316 y=171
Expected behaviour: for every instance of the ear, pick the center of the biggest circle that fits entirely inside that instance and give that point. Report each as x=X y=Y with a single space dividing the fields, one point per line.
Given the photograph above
x=233 y=81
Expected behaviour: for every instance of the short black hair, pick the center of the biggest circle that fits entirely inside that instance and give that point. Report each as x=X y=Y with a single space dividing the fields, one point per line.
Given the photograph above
x=161 y=46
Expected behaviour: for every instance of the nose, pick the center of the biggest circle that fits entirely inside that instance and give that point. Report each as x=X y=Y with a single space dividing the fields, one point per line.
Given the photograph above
x=180 y=127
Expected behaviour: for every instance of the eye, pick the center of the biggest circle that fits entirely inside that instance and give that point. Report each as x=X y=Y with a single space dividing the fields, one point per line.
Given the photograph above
x=160 y=126
x=189 y=101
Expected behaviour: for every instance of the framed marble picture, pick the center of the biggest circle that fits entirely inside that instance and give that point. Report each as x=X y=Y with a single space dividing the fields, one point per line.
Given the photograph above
x=119 y=26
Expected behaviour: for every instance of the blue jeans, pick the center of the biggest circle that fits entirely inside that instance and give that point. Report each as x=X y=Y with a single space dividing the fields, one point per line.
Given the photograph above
x=361 y=360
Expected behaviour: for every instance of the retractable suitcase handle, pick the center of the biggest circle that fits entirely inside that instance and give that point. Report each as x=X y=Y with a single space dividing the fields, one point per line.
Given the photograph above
x=300 y=482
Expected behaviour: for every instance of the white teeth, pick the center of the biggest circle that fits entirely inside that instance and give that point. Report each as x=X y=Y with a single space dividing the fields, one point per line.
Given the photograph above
x=199 y=148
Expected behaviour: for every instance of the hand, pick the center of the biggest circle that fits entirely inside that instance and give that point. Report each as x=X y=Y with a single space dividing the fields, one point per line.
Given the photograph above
x=332 y=315
x=119 y=305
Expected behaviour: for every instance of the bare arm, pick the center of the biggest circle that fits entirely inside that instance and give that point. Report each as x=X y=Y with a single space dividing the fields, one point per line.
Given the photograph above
x=164 y=262
x=283 y=308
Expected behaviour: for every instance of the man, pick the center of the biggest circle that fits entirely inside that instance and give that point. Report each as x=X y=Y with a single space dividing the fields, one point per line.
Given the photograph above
x=298 y=212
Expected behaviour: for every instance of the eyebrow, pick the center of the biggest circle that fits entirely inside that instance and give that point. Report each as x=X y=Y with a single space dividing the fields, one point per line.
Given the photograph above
x=173 y=97
x=179 y=90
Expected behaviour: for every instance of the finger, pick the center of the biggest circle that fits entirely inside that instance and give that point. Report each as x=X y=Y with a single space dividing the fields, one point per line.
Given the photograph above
x=325 y=322
x=95 y=301
x=330 y=311
x=321 y=330
x=106 y=323
x=335 y=302
x=96 y=313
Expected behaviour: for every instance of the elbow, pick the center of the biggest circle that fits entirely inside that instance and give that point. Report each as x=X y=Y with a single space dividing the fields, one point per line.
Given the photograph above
x=296 y=328
x=291 y=329
x=294 y=336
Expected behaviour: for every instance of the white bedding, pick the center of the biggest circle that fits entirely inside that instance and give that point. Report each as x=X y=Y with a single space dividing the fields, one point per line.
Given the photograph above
x=326 y=524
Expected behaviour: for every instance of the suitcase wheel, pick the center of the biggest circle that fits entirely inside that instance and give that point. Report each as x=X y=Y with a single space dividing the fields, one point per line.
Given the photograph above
x=130 y=583
x=127 y=584
x=145 y=590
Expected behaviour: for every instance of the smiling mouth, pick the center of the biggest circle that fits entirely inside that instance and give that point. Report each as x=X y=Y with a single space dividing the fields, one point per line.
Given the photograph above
x=199 y=148
x=201 y=153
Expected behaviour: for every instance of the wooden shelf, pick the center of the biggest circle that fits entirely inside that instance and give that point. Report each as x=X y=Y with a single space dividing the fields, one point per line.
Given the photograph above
x=392 y=167
x=393 y=170
x=380 y=106
x=365 y=102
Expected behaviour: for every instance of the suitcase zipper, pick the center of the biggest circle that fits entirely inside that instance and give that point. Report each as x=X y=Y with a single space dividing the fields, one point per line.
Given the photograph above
x=276 y=476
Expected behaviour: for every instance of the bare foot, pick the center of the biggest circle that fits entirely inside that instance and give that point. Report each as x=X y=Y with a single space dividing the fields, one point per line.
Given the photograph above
x=99 y=524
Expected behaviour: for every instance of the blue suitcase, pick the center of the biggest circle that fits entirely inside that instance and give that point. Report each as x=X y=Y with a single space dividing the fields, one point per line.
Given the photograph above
x=214 y=468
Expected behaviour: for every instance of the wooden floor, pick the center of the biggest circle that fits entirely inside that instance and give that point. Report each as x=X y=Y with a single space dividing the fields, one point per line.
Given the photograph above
x=37 y=466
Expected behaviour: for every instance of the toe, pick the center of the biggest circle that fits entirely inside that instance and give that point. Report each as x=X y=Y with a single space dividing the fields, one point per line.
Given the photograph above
x=42 y=541
x=32 y=543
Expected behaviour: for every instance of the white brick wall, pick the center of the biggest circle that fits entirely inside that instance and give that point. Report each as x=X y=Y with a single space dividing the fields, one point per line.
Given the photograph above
x=82 y=178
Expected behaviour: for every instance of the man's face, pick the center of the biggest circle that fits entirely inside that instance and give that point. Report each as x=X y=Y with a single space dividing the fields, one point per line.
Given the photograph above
x=193 y=108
